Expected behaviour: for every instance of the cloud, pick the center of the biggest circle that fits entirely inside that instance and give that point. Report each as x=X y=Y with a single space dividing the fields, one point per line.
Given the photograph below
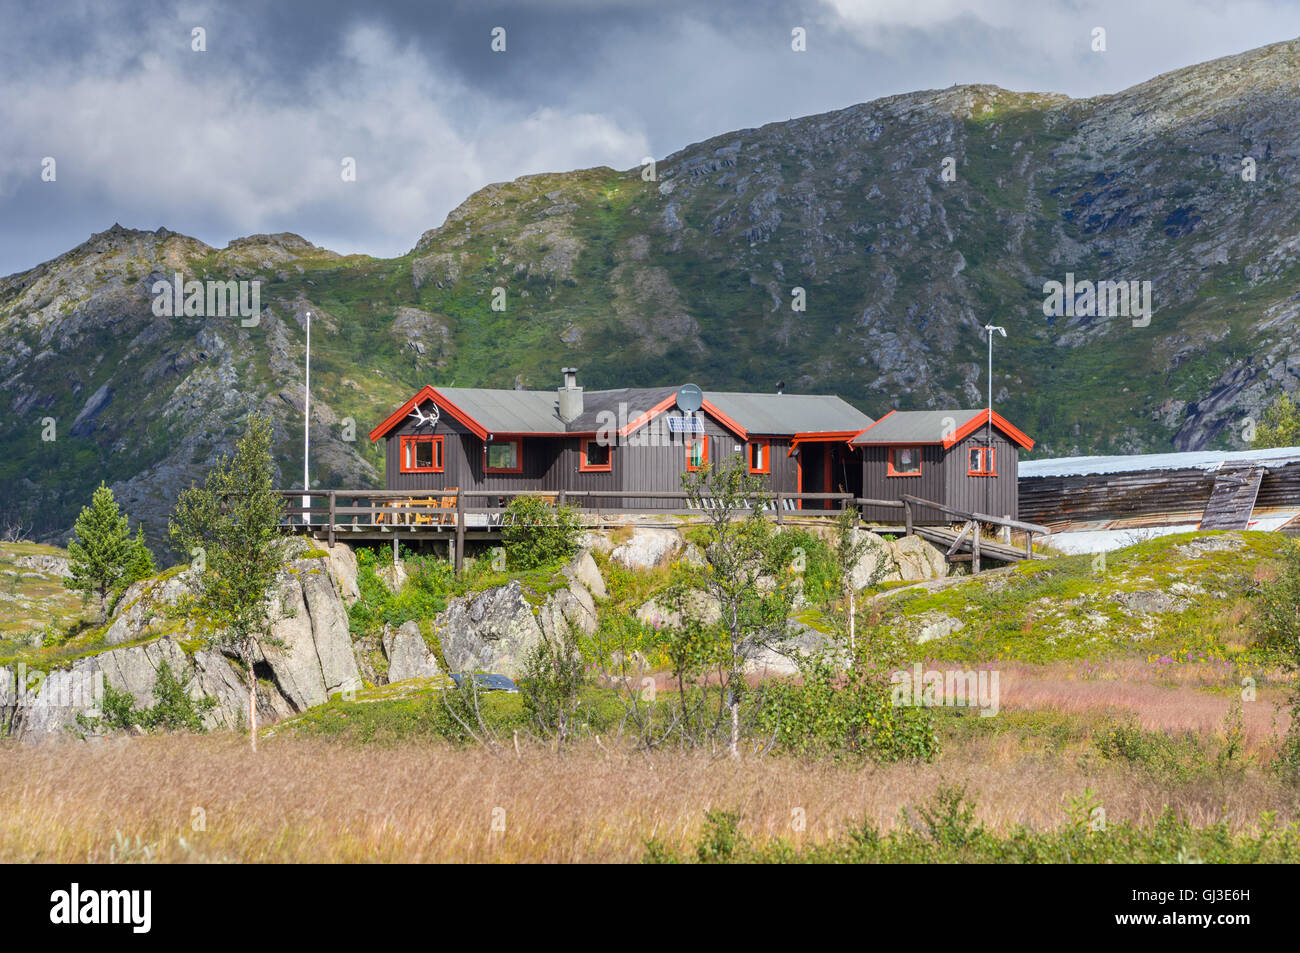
x=249 y=136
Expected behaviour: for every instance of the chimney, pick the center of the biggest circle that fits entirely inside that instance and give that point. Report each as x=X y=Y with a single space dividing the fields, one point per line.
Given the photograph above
x=569 y=397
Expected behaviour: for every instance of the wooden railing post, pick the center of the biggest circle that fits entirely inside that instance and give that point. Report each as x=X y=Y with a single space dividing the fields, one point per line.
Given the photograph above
x=331 y=532
x=460 y=531
x=1029 y=545
x=907 y=515
x=780 y=508
x=975 y=547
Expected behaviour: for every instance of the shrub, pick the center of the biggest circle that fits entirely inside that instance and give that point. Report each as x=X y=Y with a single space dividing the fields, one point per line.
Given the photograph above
x=538 y=534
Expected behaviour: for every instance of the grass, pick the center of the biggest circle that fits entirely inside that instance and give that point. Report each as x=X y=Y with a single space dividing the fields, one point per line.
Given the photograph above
x=308 y=799
x=1067 y=608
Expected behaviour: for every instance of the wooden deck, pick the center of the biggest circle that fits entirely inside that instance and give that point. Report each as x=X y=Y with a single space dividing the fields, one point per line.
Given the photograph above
x=448 y=515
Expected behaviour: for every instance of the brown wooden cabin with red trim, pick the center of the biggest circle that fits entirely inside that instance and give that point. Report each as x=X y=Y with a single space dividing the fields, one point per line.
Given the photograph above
x=629 y=439
x=965 y=459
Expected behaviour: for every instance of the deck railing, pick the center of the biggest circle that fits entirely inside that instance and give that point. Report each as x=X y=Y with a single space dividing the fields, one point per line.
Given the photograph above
x=450 y=511
x=435 y=511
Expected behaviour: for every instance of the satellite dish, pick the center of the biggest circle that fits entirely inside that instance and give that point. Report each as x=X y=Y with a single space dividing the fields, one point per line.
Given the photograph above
x=689 y=398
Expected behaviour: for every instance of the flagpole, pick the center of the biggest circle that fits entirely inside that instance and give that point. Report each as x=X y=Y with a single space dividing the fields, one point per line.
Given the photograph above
x=306 y=428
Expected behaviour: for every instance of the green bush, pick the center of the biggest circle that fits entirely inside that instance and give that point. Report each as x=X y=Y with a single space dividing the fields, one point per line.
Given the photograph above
x=173 y=708
x=538 y=534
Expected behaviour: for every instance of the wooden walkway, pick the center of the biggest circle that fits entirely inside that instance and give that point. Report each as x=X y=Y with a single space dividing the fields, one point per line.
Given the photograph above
x=1232 y=501
x=968 y=544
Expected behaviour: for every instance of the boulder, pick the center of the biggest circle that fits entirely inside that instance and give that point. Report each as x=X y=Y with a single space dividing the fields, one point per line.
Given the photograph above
x=647 y=548
x=492 y=631
x=343 y=569
x=146 y=605
x=875 y=564
x=393 y=577
x=916 y=559
x=310 y=650
x=782 y=657
x=46 y=564
x=408 y=654
x=583 y=570
x=697 y=604
x=934 y=625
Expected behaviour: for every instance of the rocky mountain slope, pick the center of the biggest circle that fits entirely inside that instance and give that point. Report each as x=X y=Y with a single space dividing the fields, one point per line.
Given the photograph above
x=691 y=275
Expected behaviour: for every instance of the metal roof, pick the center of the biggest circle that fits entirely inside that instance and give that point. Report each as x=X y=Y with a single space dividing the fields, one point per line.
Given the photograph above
x=1195 y=460
x=917 y=426
x=508 y=411
x=535 y=411
x=789 y=414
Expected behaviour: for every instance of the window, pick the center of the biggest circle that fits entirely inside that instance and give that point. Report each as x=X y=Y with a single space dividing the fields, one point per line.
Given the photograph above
x=595 y=457
x=758 y=460
x=981 y=462
x=697 y=453
x=904 y=461
x=503 y=456
x=421 y=454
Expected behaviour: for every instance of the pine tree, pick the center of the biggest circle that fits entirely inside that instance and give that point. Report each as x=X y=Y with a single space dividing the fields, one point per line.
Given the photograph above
x=139 y=564
x=101 y=548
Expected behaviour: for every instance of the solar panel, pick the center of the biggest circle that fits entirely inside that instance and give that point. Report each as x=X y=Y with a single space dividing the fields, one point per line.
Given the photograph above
x=685 y=425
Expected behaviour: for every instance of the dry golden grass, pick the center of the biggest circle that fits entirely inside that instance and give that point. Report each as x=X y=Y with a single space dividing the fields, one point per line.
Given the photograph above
x=1171 y=700
x=300 y=800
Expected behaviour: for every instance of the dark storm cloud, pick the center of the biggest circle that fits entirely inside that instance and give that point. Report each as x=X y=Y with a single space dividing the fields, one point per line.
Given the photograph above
x=249 y=135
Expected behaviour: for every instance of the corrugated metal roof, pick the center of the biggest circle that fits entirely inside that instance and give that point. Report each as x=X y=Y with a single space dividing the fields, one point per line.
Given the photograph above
x=508 y=411
x=789 y=414
x=535 y=411
x=1195 y=460
x=917 y=426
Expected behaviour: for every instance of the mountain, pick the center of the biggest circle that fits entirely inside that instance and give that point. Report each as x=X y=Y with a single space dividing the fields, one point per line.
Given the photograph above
x=690 y=275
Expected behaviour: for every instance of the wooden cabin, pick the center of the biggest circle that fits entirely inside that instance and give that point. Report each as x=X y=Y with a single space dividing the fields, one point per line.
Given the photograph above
x=965 y=459
x=627 y=439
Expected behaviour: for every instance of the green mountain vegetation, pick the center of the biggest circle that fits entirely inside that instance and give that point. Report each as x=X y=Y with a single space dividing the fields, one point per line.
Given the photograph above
x=690 y=274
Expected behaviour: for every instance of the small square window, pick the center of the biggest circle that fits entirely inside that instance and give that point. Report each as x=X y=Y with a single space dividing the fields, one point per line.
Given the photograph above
x=904 y=461
x=595 y=457
x=980 y=462
x=502 y=456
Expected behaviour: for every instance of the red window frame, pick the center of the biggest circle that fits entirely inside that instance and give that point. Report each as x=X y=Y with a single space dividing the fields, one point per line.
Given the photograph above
x=704 y=454
x=587 y=467
x=439 y=450
x=767 y=456
x=989 y=455
x=519 y=457
x=909 y=473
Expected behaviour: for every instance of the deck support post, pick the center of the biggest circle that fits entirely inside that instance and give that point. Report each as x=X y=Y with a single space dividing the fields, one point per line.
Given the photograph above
x=907 y=515
x=460 y=532
x=1029 y=545
x=331 y=533
x=975 y=547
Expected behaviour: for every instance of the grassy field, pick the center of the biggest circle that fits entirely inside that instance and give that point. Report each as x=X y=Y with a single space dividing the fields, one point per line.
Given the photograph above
x=1034 y=778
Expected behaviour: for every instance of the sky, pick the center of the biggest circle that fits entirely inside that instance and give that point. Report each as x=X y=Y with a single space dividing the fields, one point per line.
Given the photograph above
x=252 y=133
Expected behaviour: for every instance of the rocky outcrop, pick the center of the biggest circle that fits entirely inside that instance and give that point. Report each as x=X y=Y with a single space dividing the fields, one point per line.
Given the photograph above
x=47 y=564
x=907 y=559
x=495 y=630
x=307 y=656
x=408 y=654
x=492 y=631
x=647 y=548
